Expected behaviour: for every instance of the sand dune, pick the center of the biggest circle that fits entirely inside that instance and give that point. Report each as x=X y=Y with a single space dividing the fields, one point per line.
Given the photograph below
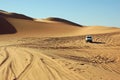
x=42 y=28
x=63 y=21
x=56 y=29
x=53 y=50
x=14 y=15
x=6 y=27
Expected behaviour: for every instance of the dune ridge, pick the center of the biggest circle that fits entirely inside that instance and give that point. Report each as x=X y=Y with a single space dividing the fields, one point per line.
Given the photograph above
x=63 y=21
x=14 y=15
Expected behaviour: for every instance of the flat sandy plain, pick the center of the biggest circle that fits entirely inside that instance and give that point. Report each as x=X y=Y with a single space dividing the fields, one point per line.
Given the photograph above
x=52 y=49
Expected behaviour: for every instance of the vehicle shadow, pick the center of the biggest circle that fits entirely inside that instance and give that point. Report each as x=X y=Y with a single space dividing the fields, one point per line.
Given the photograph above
x=98 y=42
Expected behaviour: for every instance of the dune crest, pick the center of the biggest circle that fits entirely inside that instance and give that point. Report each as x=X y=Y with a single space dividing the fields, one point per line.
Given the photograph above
x=14 y=15
x=63 y=21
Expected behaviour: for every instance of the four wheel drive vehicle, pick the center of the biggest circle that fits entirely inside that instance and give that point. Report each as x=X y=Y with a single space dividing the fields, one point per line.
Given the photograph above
x=88 y=38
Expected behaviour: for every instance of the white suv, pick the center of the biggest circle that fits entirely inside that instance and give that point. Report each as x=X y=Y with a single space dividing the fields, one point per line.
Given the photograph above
x=88 y=38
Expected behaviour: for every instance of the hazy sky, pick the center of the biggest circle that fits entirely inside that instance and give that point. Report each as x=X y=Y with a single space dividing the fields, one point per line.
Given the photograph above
x=85 y=12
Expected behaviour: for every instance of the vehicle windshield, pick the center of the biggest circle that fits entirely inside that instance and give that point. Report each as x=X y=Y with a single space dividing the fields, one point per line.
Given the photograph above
x=89 y=37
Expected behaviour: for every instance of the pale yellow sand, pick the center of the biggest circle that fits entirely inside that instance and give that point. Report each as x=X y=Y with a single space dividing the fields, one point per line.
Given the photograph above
x=48 y=50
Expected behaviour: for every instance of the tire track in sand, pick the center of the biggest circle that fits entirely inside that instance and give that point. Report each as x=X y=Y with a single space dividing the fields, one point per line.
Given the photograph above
x=7 y=59
x=57 y=70
x=43 y=67
x=5 y=70
x=26 y=68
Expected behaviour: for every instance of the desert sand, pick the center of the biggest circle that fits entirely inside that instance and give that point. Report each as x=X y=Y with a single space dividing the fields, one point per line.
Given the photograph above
x=52 y=49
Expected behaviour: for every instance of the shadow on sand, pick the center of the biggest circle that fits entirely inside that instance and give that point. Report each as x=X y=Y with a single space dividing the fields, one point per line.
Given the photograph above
x=98 y=42
x=6 y=27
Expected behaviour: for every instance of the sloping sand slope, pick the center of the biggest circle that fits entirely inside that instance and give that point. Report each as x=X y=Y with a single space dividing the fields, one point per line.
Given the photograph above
x=54 y=28
x=42 y=28
x=52 y=50
x=6 y=27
